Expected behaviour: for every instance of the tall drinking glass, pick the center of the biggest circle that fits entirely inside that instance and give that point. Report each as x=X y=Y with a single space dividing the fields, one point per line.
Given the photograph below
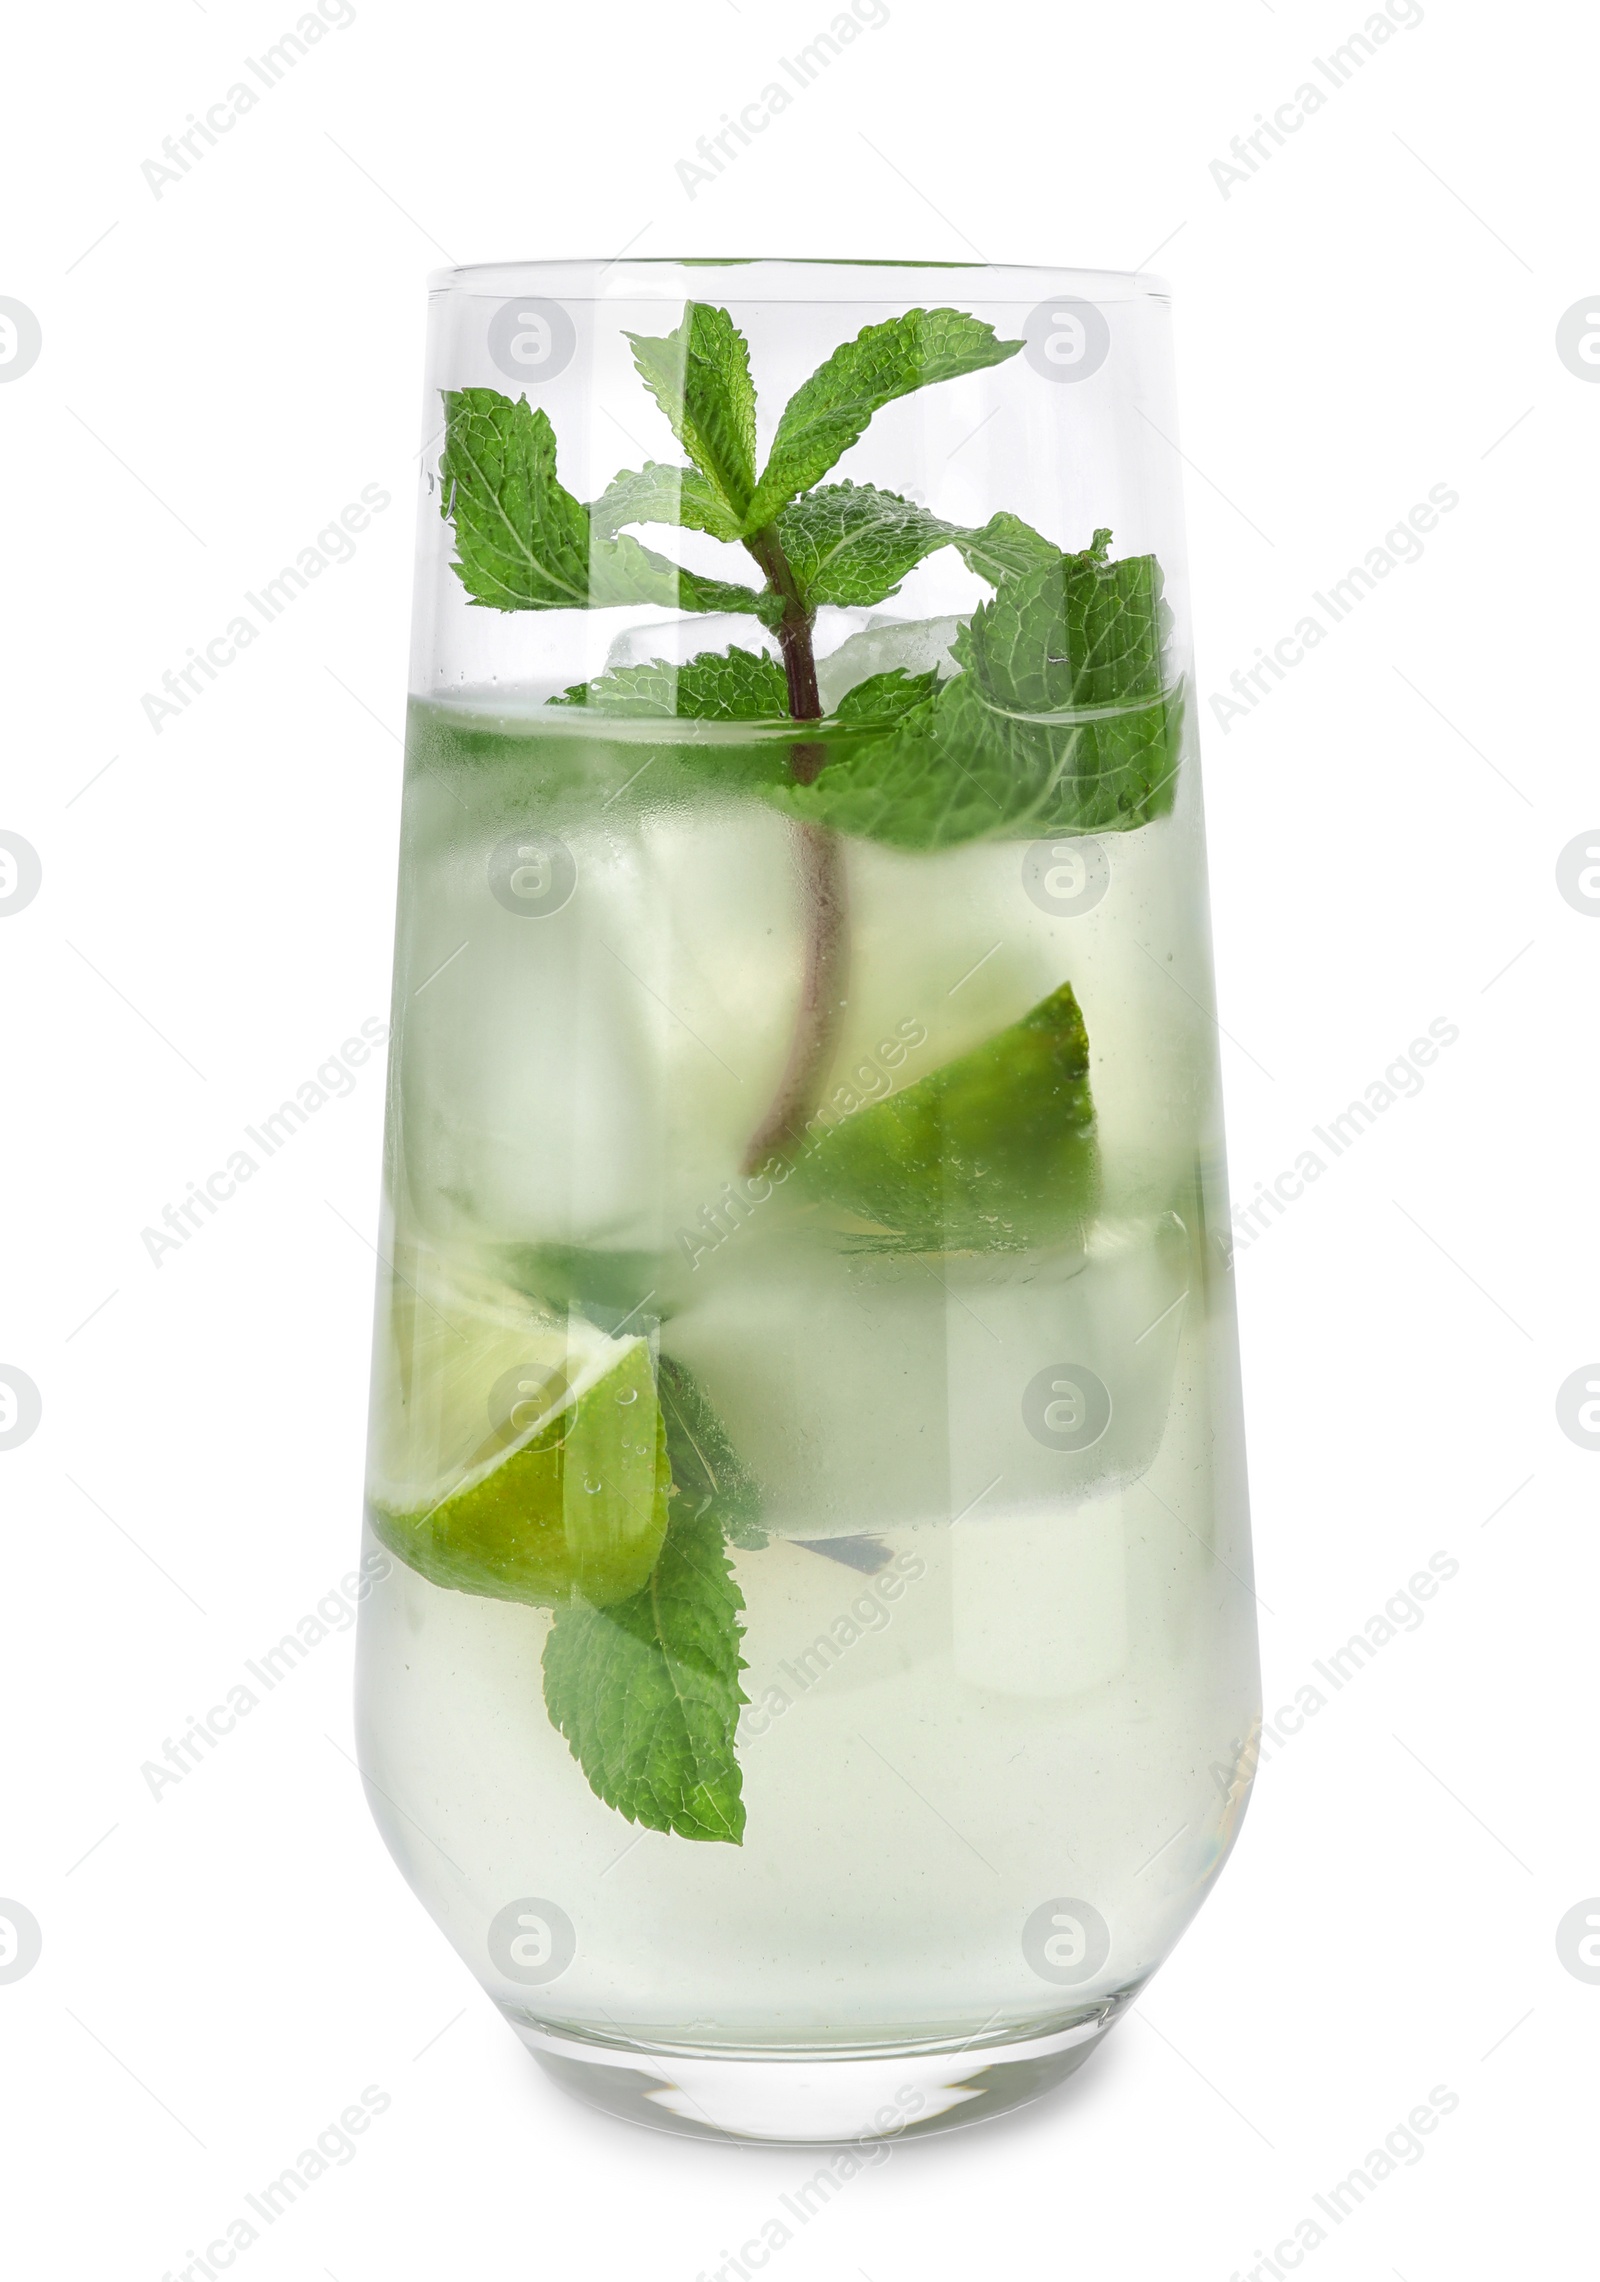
x=809 y=1671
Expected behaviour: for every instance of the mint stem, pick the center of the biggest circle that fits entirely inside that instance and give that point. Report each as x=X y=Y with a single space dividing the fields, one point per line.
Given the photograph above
x=826 y=970
x=794 y=640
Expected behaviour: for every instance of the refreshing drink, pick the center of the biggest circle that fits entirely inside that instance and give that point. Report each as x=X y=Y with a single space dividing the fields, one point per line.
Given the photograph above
x=814 y=1651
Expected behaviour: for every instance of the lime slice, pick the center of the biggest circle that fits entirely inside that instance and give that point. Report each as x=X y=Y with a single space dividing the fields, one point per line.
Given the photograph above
x=515 y=1455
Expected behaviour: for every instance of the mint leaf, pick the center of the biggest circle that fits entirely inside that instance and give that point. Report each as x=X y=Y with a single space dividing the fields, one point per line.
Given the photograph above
x=1077 y=631
x=523 y=542
x=611 y=1288
x=1006 y=547
x=1062 y=721
x=658 y=494
x=647 y=1691
x=830 y=411
x=946 y=773
x=884 y=699
x=956 y=770
x=852 y=544
x=620 y=570
x=994 y=1151
x=1115 y=775
x=700 y=377
x=707 y=1471
x=736 y=685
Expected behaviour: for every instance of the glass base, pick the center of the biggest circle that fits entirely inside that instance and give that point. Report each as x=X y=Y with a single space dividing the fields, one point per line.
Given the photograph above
x=803 y=2098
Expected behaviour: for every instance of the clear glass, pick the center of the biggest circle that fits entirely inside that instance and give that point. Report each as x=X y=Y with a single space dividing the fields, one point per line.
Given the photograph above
x=806 y=1230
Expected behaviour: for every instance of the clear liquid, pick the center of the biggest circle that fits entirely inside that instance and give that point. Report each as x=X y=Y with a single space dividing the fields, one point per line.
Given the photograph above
x=986 y=1671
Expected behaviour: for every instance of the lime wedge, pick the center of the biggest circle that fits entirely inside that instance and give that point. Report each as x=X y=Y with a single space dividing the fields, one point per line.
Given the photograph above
x=993 y=1152
x=516 y=1456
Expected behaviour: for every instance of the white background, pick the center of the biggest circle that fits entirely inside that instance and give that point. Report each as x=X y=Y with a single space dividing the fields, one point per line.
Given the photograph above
x=1371 y=313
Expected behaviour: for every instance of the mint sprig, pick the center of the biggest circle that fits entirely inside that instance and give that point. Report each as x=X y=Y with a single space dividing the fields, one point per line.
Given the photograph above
x=1062 y=715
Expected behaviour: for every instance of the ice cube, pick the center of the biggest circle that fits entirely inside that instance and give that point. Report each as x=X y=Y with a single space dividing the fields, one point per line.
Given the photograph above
x=1060 y=1375
x=829 y=1376
x=914 y=645
x=591 y=1075
x=879 y=1391
x=677 y=640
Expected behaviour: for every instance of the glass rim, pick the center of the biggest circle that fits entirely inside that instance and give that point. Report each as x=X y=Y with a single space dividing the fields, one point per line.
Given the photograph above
x=816 y=279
